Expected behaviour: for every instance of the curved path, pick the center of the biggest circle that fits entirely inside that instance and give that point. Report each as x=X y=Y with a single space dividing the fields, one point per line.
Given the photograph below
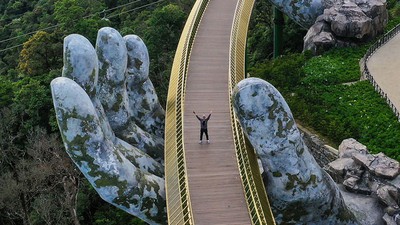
x=216 y=191
x=220 y=182
x=383 y=65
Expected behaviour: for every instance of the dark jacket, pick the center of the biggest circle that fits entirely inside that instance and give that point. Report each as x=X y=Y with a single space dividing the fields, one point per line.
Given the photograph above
x=203 y=122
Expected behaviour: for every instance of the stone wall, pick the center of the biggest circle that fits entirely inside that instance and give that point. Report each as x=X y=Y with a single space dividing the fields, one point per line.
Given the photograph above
x=322 y=153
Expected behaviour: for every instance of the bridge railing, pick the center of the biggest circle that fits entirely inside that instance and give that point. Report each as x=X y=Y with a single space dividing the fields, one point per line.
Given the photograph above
x=177 y=193
x=256 y=197
x=366 y=73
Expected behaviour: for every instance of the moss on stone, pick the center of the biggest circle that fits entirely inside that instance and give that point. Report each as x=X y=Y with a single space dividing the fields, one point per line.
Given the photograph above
x=294 y=181
x=117 y=105
x=138 y=63
x=272 y=109
x=145 y=105
x=280 y=129
x=277 y=174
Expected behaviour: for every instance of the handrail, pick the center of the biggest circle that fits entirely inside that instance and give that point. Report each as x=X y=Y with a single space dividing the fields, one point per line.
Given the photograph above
x=255 y=194
x=179 y=208
x=364 y=69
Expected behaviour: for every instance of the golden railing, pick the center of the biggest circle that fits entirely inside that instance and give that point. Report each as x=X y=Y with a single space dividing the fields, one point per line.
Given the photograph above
x=256 y=197
x=177 y=193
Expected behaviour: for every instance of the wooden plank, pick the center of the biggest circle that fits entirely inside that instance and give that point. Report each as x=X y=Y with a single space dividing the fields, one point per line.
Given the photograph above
x=215 y=187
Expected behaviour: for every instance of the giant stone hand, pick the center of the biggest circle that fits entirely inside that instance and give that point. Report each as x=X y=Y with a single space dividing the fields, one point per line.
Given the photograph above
x=111 y=121
x=300 y=191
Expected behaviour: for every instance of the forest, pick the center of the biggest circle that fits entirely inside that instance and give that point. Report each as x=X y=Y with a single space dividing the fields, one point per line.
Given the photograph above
x=40 y=184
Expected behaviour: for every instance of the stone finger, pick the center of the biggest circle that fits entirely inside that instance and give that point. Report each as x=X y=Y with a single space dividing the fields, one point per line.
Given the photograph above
x=81 y=65
x=144 y=108
x=112 y=55
x=80 y=62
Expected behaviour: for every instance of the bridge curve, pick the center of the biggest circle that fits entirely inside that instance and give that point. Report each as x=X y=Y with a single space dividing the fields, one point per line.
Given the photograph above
x=216 y=183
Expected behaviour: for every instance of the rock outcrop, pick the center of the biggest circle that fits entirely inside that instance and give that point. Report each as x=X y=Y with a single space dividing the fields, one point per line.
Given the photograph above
x=345 y=23
x=336 y=23
x=371 y=174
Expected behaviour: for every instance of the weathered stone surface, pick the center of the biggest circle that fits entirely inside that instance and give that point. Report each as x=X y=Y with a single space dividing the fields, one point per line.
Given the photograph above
x=348 y=20
x=373 y=175
x=303 y=12
x=322 y=153
x=350 y=146
x=338 y=168
x=118 y=99
x=91 y=95
x=116 y=179
x=319 y=38
x=357 y=183
x=384 y=166
x=143 y=101
x=346 y=23
x=366 y=207
x=395 y=182
x=389 y=220
x=298 y=188
x=363 y=159
x=389 y=196
x=379 y=164
x=351 y=184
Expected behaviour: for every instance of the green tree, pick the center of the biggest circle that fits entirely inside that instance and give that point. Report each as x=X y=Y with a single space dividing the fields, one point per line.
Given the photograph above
x=40 y=54
x=162 y=35
x=6 y=92
x=82 y=17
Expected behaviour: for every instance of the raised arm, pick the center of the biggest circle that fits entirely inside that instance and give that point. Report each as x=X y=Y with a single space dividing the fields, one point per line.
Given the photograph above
x=209 y=115
x=196 y=115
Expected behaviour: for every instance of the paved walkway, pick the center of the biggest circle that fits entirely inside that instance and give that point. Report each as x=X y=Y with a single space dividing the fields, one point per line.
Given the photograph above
x=384 y=67
x=215 y=187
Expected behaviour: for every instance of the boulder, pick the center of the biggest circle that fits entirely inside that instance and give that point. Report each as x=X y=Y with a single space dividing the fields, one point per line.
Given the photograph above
x=350 y=146
x=351 y=184
x=357 y=185
x=319 y=37
x=338 y=168
x=348 y=20
x=363 y=159
x=385 y=167
x=389 y=196
x=346 y=23
x=379 y=164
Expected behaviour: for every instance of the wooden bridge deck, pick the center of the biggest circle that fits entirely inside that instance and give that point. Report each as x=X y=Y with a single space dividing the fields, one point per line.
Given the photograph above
x=215 y=187
x=383 y=65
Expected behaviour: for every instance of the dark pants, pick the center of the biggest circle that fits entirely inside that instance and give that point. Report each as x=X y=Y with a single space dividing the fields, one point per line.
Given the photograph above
x=201 y=133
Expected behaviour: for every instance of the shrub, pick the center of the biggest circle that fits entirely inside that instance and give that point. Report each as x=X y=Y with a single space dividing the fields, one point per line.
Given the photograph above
x=319 y=95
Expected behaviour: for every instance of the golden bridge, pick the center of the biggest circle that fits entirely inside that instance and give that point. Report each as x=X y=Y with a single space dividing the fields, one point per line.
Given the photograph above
x=217 y=183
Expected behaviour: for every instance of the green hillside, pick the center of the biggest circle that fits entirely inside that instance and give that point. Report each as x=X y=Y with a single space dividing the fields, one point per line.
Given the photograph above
x=40 y=185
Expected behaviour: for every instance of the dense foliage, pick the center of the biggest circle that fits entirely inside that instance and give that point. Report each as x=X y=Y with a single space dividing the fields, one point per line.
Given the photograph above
x=326 y=94
x=39 y=183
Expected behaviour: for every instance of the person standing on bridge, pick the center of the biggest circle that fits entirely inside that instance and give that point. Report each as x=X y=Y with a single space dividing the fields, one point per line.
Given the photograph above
x=203 y=126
